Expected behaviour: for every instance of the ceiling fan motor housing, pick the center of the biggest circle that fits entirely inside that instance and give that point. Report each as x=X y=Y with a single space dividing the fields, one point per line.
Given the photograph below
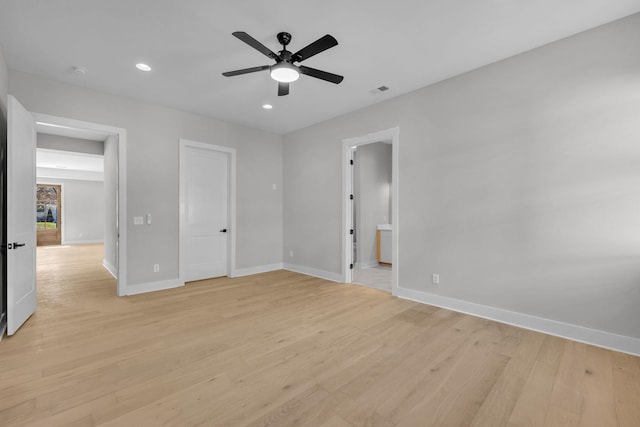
x=284 y=38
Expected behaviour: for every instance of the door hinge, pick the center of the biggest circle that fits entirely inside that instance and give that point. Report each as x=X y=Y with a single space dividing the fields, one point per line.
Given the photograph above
x=351 y=196
x=351 y=162
x=351 y=231
x=350 y=266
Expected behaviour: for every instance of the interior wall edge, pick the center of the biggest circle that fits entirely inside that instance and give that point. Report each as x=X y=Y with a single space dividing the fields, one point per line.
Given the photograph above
x=310 y=271
x=248 y=271
x=143 y=288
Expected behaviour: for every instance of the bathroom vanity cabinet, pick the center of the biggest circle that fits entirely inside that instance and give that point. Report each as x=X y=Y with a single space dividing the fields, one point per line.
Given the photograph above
x=384 y=244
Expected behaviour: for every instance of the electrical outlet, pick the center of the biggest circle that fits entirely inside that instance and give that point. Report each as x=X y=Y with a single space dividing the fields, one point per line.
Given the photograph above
x=435 y=279
x=156 y=268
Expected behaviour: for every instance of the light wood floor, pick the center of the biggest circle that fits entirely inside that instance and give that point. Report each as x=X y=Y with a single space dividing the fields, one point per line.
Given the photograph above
x=377 y=277
x=281 y=349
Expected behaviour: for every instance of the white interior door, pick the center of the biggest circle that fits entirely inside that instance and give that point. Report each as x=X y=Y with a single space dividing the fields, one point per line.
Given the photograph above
x=21 y=215
x=204 y=180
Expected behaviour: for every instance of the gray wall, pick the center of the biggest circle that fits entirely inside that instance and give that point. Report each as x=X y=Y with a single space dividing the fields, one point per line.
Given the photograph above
x=519 y=183
x=372 y=184
x=65 y=143
x=111 y=204
x=153 y=135
x=82 y=209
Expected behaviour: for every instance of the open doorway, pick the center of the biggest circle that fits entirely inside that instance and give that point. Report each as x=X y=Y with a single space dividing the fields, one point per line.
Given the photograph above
x=19 y=212
x=48 y=213
x=371 y=215
x=84 y=163
x=370 y=207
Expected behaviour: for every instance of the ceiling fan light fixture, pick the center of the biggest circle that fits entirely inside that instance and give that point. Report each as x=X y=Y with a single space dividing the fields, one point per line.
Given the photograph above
x=284 y=72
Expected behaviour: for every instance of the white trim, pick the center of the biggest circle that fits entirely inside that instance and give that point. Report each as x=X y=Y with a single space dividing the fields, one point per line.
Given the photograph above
x=122 y=183
x=82 y=242
x=552 y=327
x=393 y=135
x=110 y=268
x=309 y=271
x=231 y=229
x=256 y=270
x=142 y=288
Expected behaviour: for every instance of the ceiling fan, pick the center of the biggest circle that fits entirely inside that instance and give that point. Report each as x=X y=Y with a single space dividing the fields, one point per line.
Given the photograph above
x=284 y=71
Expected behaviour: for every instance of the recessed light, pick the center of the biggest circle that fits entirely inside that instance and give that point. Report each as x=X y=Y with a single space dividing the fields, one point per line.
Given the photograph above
x=267 y=106
x=143 y=67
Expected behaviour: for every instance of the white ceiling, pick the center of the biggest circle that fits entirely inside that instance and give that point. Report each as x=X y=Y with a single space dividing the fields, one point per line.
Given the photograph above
x=406 y=44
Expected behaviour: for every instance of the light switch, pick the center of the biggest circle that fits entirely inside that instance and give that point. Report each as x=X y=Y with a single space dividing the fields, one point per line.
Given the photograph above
x=138 y=220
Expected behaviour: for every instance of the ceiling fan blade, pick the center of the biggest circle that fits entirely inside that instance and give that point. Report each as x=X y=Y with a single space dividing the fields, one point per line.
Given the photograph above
x=245 y=71
x=320 y=45
x=283 y=89
x=319 y=74
x=255 y=44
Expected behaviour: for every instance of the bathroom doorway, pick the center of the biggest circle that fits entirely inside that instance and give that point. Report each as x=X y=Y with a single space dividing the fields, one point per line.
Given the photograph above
x=372 y=217
x=370 y=210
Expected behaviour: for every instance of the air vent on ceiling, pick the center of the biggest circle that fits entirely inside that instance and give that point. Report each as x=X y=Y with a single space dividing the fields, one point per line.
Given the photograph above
x=379 y=89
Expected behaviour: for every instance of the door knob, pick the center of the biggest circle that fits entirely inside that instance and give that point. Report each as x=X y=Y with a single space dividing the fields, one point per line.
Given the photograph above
x=224 y=230
x=18 y=245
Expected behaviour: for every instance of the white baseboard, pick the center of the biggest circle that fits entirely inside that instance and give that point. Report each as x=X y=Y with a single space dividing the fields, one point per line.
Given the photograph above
x=81 y=242
x=239 y=272
x=110 y=268
x=328 y=275
x=142 y=288
x=581 y=334
x=366 y=264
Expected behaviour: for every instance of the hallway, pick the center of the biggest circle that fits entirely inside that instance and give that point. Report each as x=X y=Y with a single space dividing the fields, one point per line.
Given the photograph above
x=71 y=274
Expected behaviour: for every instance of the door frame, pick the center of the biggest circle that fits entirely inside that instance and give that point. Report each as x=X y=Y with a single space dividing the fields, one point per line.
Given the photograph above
x=62 y=207
x=393 y=135
x=121 y=184
x=231 y=203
